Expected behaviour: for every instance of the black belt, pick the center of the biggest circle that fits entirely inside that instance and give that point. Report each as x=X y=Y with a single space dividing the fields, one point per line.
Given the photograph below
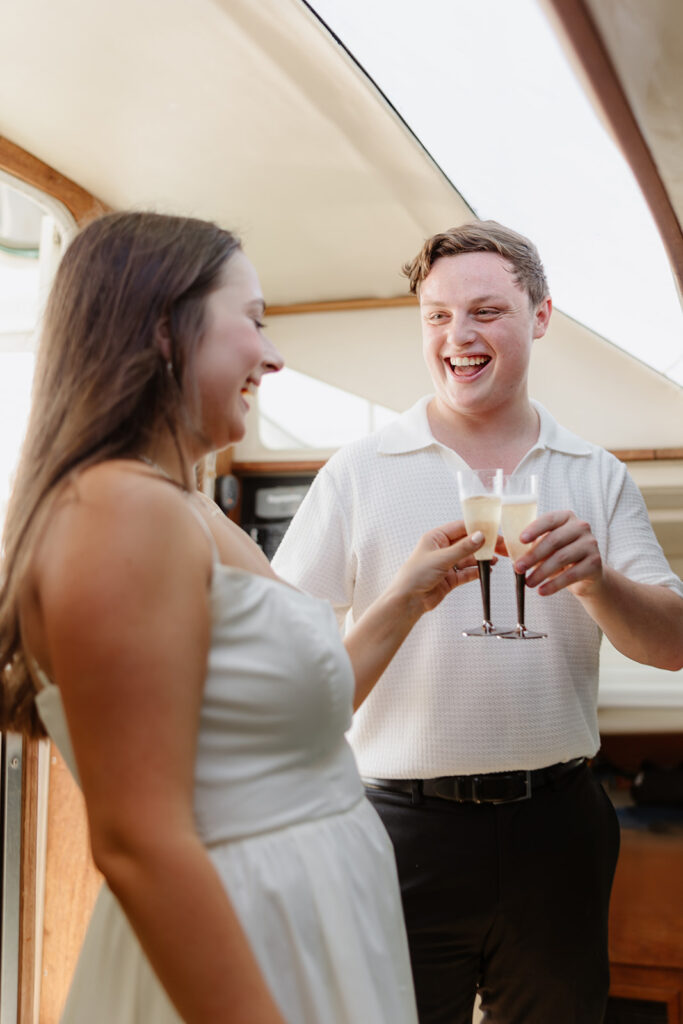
x=495 y=788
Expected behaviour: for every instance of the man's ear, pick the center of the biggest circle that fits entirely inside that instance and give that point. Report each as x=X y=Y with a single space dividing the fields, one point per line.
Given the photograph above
x=542 y=317
x=162 y=336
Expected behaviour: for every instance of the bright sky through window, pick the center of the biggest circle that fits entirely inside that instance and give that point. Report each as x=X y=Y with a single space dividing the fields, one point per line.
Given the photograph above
x=488 y=90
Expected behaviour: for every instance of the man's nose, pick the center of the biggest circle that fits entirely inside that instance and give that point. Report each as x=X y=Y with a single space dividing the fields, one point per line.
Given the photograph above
x=461 y=329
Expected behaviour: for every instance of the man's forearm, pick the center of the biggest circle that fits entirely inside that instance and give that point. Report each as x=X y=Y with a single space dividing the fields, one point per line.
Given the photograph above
x=643 y=621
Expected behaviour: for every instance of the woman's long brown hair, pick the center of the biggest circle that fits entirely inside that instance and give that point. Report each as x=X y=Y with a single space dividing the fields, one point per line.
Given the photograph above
x=102 y=387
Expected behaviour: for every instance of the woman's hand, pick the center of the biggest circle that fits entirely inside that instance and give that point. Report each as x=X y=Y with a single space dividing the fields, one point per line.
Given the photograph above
x=442 y=560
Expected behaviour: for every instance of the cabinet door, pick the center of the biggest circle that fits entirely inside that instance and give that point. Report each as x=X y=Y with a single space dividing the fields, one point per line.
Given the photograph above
x=638 y=996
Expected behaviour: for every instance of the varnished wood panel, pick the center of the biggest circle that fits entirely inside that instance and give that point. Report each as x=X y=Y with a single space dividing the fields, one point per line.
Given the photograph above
x=23 y=165
x=271 y=468
x=71 y=885
x=646 y=914
x=650 y=983
x=341 y=305
x=647 y=454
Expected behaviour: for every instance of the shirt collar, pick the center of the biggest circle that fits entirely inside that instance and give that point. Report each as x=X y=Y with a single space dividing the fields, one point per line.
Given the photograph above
x=410 y=432
x=557 y=438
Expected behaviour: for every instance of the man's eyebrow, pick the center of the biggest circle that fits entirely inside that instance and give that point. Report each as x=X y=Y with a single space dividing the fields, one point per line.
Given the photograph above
x=478 y=300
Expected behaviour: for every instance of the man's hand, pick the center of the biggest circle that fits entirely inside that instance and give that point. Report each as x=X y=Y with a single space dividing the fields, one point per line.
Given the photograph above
x=565 y=554
x=642 y=620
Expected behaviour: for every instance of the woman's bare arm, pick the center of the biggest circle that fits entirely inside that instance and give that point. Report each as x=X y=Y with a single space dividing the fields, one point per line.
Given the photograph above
x=442 y=560
x=122 y=585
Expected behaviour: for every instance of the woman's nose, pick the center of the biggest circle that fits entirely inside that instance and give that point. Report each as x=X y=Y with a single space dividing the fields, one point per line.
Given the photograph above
x=272 y=361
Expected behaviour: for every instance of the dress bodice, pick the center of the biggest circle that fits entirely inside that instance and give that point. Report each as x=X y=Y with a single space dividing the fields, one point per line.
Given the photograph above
x=277 y=701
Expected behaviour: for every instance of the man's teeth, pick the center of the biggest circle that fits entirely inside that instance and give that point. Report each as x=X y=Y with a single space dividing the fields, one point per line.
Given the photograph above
x=468 y=360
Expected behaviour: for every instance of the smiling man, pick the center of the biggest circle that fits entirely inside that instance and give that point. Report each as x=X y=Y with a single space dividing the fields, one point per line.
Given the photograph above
x=474 y=751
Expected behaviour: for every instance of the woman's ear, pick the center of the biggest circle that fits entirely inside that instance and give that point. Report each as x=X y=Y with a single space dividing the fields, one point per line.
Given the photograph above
x=162 y=337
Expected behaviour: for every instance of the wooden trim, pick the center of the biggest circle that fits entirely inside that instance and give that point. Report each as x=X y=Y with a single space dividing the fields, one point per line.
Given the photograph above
x=270 y=468
x=23 y=165
x=313 y=465
x=341 y=305
x=647 y=454
x=657 y=984
x=27 y=908
x=597 y=64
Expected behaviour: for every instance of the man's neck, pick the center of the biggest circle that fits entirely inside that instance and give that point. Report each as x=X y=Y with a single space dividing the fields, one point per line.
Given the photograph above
x=499 y=439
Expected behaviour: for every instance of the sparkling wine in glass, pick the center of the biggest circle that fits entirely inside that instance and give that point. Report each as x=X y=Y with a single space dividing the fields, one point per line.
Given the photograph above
x=520 y=508
x=481 y=493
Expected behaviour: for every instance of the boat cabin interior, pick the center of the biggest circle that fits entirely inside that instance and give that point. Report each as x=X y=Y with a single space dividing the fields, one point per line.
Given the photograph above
x=284 y=121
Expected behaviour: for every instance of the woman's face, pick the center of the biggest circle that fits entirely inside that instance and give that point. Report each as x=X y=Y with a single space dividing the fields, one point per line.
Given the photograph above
x=233 y=354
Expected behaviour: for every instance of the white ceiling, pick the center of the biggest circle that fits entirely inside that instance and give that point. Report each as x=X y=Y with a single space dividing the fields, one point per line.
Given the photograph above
x=247 y=113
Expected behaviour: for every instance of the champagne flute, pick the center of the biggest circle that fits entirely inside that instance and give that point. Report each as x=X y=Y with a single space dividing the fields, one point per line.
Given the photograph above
x=481 y=499
x=520 y=508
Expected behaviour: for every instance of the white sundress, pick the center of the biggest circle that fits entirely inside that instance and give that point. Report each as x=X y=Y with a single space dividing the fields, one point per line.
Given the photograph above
x=280 y=808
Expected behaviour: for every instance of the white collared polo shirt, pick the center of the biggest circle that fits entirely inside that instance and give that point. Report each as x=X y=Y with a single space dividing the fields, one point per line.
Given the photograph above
x=448 y=704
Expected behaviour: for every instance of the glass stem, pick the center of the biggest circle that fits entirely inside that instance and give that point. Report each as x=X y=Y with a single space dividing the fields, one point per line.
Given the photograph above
x=520 y=580
x=484 y=567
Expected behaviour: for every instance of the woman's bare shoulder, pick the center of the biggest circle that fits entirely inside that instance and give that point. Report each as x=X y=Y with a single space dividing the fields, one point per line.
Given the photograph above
x=116 y=518
x=121 y=553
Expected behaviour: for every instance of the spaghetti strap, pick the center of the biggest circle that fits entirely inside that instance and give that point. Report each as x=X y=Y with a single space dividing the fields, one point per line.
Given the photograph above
x=160 y=471
x=215 y=556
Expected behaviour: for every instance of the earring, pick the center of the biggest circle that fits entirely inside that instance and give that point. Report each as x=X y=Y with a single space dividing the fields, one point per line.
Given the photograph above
x=169 y=367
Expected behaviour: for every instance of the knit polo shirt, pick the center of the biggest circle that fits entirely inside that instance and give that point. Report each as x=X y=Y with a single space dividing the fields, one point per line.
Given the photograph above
x=449 y=704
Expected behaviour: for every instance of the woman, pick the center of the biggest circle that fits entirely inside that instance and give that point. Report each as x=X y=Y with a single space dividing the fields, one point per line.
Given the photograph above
x=247 y=877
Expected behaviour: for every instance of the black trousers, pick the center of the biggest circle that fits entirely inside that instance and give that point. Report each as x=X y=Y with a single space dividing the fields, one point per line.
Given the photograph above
x=510 y=900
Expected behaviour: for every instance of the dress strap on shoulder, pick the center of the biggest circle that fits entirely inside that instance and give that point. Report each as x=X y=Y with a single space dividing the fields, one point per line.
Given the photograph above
x=215 y=555
x=160 y=471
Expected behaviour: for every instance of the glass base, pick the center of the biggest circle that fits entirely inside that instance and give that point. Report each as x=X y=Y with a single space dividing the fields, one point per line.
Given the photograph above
x=522 y=633
x=486 y=629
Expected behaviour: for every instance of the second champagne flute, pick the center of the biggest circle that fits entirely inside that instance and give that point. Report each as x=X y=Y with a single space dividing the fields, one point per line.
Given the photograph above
x=481 y=499
x=520 y=508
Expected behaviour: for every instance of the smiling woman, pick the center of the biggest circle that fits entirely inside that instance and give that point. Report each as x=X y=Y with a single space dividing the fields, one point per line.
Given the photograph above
x=234 y=355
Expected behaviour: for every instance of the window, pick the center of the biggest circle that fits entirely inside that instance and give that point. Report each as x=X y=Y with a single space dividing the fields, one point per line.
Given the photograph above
x=32 y=232
x=297 y=411
x=489 y=91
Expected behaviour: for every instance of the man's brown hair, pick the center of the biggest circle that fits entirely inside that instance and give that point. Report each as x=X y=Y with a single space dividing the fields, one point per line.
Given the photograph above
x=483 y=236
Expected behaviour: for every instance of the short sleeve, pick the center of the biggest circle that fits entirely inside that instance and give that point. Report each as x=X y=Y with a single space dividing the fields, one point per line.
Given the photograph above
x=316 y=553
x=633 y=548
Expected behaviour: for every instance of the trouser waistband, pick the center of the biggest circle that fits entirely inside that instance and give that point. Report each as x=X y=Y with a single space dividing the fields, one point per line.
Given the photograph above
x=492 y=788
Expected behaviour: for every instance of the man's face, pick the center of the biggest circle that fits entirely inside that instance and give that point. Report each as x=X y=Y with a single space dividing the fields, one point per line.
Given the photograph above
x=478 y=327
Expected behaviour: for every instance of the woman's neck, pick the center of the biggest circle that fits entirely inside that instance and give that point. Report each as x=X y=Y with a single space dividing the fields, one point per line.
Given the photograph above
x=169 y=458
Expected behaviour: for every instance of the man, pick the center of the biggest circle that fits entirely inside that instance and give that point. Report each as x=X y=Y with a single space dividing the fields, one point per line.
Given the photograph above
x=474 y=750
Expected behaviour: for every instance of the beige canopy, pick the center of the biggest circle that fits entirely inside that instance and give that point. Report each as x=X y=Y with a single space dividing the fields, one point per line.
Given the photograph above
x=250 y=113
